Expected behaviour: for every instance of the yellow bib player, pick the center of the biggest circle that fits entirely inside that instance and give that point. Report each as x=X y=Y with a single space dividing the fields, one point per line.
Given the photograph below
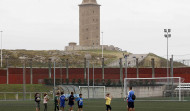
x=108 y=102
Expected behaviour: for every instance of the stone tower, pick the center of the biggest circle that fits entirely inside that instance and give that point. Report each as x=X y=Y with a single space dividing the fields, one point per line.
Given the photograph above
x=89 y=23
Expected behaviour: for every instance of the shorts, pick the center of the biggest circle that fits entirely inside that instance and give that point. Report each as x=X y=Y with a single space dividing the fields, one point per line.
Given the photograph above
x=38 y=105
x=108 y=107
x=80 y=106
x=71 y=105
x=62 y=105
x=131 y=105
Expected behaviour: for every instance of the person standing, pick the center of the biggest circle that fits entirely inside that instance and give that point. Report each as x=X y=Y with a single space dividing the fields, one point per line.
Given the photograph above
x=80 y=102
x=56 y=102
x=37 y=100
x=62 y=101
x=71 y=101
x=46 y=99
x=131 y=98
x=108 y=102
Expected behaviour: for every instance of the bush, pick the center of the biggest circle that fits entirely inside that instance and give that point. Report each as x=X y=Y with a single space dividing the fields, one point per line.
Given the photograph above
x=103 y=82
x=85 y=82
x=108 y=83
x=67 y=81
x=58 y=81
x=97 y=82
x=119 y=83
x=48 y=81
x=79 y=81
x=91 y=82
x=114 y=83
x=73 y=81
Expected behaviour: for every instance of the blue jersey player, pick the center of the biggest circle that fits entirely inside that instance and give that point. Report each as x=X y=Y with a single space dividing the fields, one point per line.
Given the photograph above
x=62 y=101
x=80 y=102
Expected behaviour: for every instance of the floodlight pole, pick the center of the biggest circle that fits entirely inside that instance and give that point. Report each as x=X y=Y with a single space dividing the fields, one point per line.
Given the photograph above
x=93 y=80
x=54 y=80
x=102 y=45
x=126 y=65
x=167 y=35
x=24 y=79
x=88 y=79
x=1 y=49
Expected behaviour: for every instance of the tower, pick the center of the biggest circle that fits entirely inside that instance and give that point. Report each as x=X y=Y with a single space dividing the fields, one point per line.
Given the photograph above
x=89 y=23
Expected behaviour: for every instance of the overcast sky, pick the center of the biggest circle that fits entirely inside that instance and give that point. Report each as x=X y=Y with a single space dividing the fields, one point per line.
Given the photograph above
x=133 y=25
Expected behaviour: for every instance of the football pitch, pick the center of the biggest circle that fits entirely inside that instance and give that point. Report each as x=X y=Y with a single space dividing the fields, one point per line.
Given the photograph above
x=99 y=105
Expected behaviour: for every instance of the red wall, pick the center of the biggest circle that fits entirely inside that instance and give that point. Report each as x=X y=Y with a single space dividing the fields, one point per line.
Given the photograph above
x=16 y=74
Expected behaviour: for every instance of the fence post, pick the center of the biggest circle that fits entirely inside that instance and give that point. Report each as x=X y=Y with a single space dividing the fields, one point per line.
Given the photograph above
x=103 y=69
x=7 y=66
x=67 y=68
x=153 y=68
x=137 y=65
x=49 y=63
x=121 y=70
x=24 y=79
x=171 y=66
x=31 y=72
x=121 y=76
x=61 y=72
x=84 y=68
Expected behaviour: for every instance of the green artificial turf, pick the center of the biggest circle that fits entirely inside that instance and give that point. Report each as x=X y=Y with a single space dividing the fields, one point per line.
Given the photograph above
x=99 y=105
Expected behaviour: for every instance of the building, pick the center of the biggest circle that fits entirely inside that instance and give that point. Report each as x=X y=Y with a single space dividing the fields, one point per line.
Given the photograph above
x=89 y=28
x=89 y=23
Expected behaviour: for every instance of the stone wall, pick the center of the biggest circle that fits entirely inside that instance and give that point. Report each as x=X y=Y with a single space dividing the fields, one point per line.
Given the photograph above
x=106 y=47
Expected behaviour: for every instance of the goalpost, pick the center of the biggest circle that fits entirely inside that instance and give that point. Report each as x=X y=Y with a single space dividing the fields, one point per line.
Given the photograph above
x=94 y=91
x=154 y=89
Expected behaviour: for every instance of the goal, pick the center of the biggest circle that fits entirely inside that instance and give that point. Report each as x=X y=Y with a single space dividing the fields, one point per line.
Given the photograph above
x=154 y=89
x=94 y=91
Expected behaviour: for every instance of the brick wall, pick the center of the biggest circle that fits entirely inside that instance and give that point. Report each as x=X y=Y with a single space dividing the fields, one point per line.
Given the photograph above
x=16 y=74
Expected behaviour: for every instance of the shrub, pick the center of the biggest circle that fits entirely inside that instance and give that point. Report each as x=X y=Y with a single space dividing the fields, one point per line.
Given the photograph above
x=97 y=82
x=91 y=82
x=108 y=83
x=119 y=83
x=103 y=82
x=114 y=83
x=85 y=82
x=73 y=81
x=79 y=81
x=67 y=81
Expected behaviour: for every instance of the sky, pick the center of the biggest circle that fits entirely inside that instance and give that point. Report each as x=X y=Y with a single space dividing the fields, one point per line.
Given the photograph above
x=132 y=25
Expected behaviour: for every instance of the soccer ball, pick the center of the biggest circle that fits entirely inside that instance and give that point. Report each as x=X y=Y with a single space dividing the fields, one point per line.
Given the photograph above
x=38 y=99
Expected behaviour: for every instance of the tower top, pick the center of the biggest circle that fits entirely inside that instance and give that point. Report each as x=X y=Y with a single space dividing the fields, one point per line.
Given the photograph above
x=89 y=2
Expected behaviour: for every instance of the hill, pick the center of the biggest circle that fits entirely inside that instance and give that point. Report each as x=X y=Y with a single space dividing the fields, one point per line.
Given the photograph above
x=40 y=58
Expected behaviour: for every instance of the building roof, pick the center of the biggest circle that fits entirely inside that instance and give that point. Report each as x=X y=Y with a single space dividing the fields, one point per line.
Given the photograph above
x=89 y=1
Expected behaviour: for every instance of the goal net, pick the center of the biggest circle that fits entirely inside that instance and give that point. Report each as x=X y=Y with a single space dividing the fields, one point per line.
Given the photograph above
x=94 y=91
x=154 y=89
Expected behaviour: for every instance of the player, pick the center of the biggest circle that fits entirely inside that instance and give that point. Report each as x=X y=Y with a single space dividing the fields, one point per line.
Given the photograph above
x=46 y=99
x=108 y=102
x=56 y=102
x=37 y=100
x=62 y=101
x=71 y=101
x=131 y=100
x=80 y=102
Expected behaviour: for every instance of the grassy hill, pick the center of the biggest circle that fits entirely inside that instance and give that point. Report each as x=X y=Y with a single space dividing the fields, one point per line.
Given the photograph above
x=75 y=58
x=159 y=62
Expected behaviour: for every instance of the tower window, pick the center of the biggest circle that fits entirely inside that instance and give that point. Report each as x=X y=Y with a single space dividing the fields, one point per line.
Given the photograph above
x=93 y=11
x=86 y=37
x=86 y=29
